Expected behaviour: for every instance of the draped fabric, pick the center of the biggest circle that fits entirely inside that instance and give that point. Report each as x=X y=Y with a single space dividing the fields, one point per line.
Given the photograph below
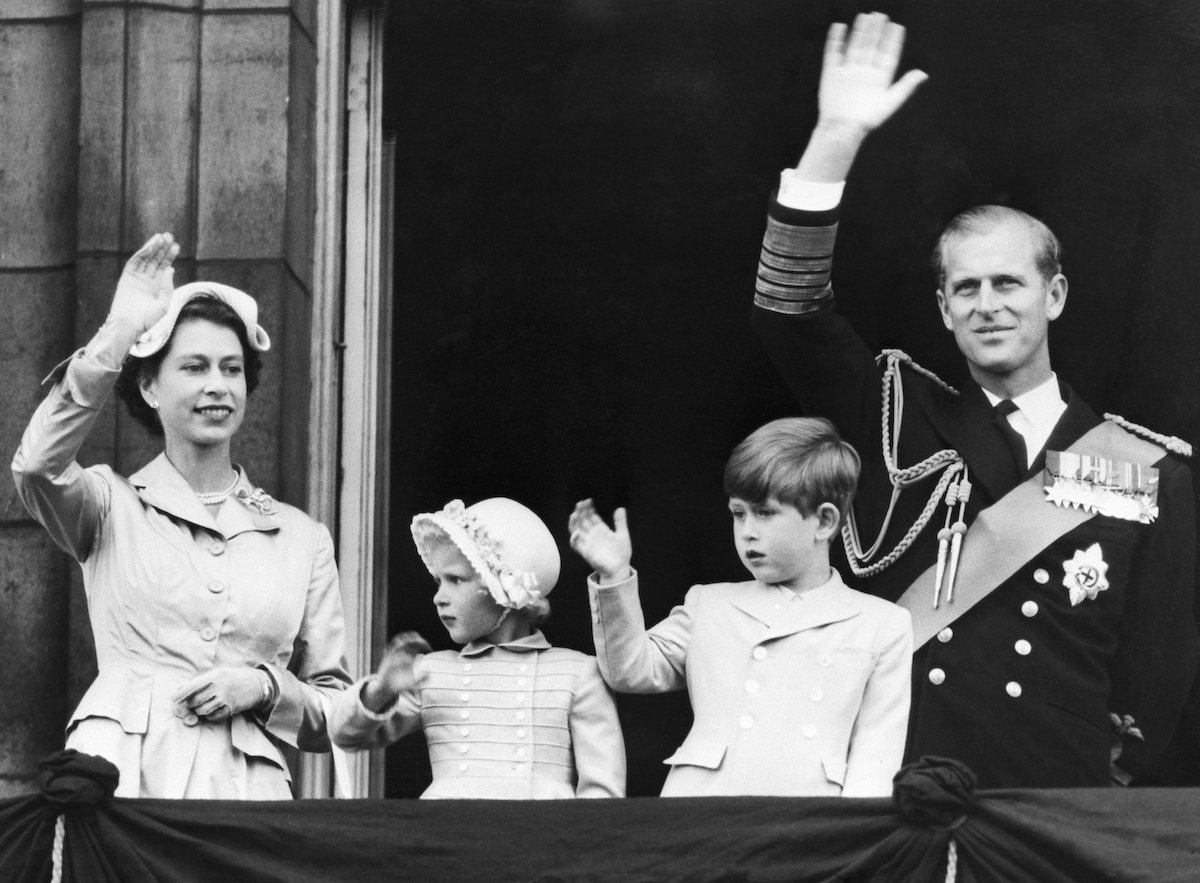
x=1081 y=835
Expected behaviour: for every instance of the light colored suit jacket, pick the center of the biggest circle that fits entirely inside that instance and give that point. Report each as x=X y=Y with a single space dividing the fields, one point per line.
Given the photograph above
x=174 y=591
x=518 y=721
x=792 y=694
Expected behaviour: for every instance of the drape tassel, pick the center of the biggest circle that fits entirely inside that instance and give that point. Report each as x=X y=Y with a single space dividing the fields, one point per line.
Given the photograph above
x=56 y=853
x=951 y=861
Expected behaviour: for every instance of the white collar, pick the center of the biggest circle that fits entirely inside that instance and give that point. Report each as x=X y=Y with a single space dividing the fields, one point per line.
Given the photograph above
x=1041 y=406
x=1037 y=414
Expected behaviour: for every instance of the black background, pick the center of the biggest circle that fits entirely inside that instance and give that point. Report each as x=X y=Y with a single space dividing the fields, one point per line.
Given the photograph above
x=580 y=198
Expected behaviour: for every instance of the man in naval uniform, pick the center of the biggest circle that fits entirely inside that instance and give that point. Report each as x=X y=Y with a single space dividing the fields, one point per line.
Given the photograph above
x=1046 y=554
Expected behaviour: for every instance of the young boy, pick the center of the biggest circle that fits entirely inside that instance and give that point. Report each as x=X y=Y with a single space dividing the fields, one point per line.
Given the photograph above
x=798 y=684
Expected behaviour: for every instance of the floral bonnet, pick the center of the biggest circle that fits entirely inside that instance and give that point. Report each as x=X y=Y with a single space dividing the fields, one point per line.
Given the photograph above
x=510 y=548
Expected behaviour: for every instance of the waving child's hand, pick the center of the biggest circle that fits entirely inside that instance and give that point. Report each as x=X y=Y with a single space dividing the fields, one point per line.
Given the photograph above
x=607 y=550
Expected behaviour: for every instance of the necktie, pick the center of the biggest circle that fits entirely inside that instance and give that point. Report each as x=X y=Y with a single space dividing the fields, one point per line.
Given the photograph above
x=1016 y=441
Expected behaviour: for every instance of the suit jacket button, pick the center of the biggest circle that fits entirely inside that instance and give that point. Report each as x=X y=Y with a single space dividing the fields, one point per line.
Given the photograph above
x=945 y=635
x=1023 y=647
x=1041 y=576
x=936 y=676
x=1029 y=608
x=808 y=731
x=1013 y=689
x=746 y=722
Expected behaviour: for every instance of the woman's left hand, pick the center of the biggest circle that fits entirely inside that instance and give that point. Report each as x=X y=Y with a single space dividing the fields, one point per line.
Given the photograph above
x=221 y=693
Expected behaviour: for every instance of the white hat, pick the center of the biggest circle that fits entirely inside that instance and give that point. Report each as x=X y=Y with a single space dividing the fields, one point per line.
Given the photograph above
x=156 y=336
x=510 y=548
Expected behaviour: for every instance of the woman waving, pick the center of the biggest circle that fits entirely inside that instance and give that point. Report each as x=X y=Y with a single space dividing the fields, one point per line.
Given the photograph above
x=215 y=609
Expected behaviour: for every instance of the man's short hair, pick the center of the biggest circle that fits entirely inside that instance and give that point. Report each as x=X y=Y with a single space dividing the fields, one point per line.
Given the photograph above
x=800 y=461
x=981 y=219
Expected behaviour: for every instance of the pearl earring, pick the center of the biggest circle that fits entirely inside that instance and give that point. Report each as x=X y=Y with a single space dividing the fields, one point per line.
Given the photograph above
x=154 y=404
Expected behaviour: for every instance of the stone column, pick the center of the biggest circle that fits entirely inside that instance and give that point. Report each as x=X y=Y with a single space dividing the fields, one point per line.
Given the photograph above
x=39 y=116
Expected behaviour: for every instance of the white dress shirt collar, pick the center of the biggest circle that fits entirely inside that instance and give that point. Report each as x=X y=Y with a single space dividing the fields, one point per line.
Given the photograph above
x=1037 y=414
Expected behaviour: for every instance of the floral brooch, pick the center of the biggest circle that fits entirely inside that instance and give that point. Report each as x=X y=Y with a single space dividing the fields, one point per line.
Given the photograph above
x=1086 y=574
x=256 y=499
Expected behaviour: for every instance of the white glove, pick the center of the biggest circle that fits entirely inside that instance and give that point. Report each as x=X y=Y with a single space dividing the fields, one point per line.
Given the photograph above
x=146 y=284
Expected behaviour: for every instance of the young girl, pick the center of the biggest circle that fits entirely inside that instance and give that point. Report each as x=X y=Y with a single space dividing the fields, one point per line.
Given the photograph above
x=507 y=716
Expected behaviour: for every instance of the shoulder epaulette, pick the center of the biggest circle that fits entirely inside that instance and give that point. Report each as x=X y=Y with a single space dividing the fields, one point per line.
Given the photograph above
x=1171 y=443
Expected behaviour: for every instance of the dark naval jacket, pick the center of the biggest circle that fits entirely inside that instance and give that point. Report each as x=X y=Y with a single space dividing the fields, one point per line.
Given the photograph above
x=1026 y=686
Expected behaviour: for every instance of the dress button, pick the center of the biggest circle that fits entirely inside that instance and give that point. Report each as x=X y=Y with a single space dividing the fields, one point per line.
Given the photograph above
x=520 y=752
x=191 y=719
x=520 y=734
x=464 y=714
x=746 y=722
x=824 y=660
x=520 y=682
x=467 y=667
x=751 y=686
x=522 y=667
x=808 y=731
x=464 y=731
x=815 y=694
x=1023 y=647
x=208 y=633
x=760 y=653
x=462 y=767
x=520 y=715
x=1041 y=576
x=1013 y=689
x=936 y=676
x=463 y=749
x=945 y=635
x=465 y=697
x=466 y=681
x=1029 y=608
x=520 y=697
x=217 y=548
x=216 y=588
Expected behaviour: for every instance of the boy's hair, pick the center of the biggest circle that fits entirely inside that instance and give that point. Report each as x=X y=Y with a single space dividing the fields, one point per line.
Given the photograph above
x=800 y=461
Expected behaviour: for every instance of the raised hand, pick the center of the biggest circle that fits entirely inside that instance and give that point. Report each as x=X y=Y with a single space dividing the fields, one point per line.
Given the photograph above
x=857 y=89
x=395 y=672
x=607 y=550
x=145 y=285
x=222 y=692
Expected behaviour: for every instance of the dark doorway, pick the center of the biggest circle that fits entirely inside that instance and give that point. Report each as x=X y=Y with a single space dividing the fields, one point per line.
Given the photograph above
x=580 y=191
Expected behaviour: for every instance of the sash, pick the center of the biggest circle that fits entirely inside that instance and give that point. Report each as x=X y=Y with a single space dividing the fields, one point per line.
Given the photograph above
x=1008 y=534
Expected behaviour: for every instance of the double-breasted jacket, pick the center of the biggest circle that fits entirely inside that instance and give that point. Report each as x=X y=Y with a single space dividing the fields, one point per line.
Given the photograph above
x=1022 y=687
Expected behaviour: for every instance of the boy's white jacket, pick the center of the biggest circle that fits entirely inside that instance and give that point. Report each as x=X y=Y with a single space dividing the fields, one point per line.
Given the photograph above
x=792 y=695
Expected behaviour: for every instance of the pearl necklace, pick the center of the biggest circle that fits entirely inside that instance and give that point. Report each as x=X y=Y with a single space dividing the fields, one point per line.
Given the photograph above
x=215 y=497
